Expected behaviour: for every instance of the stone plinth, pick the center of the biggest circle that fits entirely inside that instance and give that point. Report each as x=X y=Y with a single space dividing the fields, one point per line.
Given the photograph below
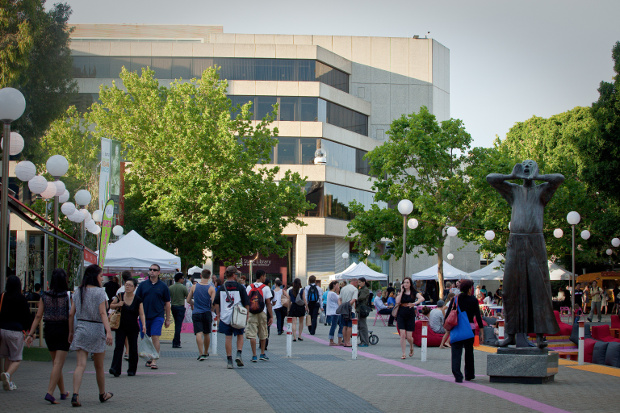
x=522 y=365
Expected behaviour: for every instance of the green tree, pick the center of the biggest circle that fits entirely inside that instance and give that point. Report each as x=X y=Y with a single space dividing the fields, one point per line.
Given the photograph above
x=35 y=58
x=195 y=181
x=425 y=162
x=599 y=151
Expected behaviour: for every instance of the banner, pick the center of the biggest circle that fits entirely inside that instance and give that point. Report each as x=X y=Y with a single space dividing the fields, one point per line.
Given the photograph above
x=110 y=173
x=106 y=230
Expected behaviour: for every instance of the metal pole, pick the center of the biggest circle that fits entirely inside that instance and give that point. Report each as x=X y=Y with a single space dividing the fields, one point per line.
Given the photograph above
x=404 y=247
x=572 y=299
x=4 y=205
x=55 y=231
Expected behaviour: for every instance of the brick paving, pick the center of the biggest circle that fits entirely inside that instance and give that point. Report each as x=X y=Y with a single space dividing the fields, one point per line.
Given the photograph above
x=316 y=378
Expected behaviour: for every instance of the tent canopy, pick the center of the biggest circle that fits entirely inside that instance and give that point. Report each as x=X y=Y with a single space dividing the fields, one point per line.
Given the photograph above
x=195 y=269
x=449 y=273
x=359 y=270
x=558 y=273
x=132 y=252
x=493 y=271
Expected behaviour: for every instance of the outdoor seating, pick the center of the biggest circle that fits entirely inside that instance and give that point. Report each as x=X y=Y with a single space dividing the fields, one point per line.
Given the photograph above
x=383 y=317
x=432 y=339
x=603 y=333
x=565 y=329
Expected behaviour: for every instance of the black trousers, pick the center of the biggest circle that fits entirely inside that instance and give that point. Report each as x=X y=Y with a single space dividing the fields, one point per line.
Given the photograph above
x=119 y=345
x=178 y=313
x=313 y=310
x=280 y=314
x=457 y=352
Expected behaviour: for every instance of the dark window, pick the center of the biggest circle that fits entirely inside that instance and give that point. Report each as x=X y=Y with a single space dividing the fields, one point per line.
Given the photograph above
x=100 y=67
x=181 y=68
x=361 y=165
x=289 y=108
x=309 y=109
x=264 y=106
x=288 y=151
x=137 y=63
x=162 y=67
x=200 y=64
x=117 y=64
x=347 y=119
x=308 y=148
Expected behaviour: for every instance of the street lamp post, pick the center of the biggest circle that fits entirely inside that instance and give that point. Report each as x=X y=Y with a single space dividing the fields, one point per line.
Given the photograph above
x=345 y=257
x=12 y=106
x=57 y=166
x=405 y=207
x=573 y=219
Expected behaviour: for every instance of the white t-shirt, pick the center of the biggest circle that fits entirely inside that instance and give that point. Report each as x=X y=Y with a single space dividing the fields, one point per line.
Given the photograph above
x=332 y=303
x=379 y=304
x=276 y=301
x=266 y=293
x=348 y=293
x=488 y=300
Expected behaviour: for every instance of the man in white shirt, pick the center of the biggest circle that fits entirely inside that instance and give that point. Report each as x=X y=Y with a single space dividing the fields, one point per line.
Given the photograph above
x=380 y=305
x=260 y=296
x=313 y=296
x=348 y=294
x=436 y=318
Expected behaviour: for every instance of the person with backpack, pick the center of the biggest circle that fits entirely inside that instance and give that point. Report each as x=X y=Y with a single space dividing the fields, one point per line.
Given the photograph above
x=314 y=302
x=260 y=296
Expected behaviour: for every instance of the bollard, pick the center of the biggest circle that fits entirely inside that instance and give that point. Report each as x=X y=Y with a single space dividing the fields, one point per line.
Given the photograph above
x=582 y=343
x=289 y=336
x=354 y=339
x=424 y=339
x=500 y=330
x=213 y=349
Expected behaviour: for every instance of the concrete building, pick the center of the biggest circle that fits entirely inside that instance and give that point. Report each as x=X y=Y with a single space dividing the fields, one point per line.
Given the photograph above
x=339 y=93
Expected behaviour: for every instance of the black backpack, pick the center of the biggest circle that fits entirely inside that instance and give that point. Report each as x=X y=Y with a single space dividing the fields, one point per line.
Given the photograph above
x=257 y=301
x=313 y=294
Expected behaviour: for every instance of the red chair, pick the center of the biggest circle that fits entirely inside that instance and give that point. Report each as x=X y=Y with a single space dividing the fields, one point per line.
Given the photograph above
x=602 y=333
x=432 y=339
x=615 y=321
x=565 y=329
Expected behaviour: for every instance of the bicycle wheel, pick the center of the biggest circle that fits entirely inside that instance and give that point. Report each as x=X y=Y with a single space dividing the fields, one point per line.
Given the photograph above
x=373 y=339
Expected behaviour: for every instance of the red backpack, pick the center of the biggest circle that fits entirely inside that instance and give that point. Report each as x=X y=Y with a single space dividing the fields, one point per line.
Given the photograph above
x=257 y=301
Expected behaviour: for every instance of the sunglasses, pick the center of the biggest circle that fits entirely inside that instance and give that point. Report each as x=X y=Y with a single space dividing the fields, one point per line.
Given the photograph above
x=153 y=269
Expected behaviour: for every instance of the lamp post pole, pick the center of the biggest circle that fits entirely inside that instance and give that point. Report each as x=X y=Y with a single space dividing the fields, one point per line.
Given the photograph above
x=405 y=207
x=573 y=219
x=12 y=106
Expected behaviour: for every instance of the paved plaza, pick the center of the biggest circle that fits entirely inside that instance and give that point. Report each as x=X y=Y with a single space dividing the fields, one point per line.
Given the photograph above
x=318 y=378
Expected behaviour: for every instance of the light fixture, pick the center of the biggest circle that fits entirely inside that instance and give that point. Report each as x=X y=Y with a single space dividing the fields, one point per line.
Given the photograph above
x=37 y=185
x=82 y=197
x=25 y=171
x=452 y=231
x=573 y=218
x=60 y=187
x=57 y=165
x=86 y=214
x=117 y=230
x=68 y=208
x=50 y=191
x=585 y=234
x=489 y=235
x=64 y=197
x=16 y=145
x=450 y=256
x=96 y=230
x=558 y=233
x=609 y=251
x=12 y=104
x=77 y=216
x=345 y=255
x=413 y=223
x=615 y=242
x=97 y=215
x=320 y=157
x=405 y=207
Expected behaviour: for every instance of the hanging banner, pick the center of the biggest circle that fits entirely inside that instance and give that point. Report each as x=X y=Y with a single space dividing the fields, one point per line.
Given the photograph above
x=110 y=173
x=106 y=229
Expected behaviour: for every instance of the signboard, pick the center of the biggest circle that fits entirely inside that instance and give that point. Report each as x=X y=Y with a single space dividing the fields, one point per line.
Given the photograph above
x=106 y=229
x=110 y=173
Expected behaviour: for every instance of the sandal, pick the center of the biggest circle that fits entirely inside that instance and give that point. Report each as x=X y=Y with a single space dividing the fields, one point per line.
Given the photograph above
x=51 y=399
x=403 y=357
x=148 y=363
x=300 y=339
x=75 y=400
x=154 y=367
x=64 y=396
x=411 y=353
x=104 y=396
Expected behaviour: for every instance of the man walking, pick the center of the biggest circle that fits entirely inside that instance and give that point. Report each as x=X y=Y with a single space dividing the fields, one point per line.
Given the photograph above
x=314 y=299
x=178 y=294
x=596 y=293
x=155 y=298
x=363 y=310
x=260 y=296
x=348 y=295
x=200 y=297
x=227 y=295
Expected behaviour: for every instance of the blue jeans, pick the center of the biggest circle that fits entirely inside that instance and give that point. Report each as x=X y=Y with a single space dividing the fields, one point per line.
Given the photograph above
x=335 y=320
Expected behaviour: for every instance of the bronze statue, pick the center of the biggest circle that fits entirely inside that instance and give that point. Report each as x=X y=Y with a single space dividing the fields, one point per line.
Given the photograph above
x=527 y=291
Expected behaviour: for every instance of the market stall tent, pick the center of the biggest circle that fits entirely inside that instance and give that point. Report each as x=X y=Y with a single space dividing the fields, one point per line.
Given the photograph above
x=449 y=273
x=359 y=270
x=493 y=271
x=132 y=252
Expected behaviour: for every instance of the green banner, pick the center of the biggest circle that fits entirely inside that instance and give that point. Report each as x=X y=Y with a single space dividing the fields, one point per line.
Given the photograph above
x=106 y=229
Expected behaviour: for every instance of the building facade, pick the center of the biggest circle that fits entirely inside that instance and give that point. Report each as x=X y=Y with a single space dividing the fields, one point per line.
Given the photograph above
x=338 y=93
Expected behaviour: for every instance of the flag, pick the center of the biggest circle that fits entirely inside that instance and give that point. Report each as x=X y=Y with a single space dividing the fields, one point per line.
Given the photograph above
x=106 y=229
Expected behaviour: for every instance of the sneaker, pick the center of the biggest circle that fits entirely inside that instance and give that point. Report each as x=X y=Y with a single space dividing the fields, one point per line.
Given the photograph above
x=202 y=357
x=264 y=357
x=363 y=345
x=12 y=386
x=255 y=359
x=6 y=379
x=589 y=319
x=238 y=360
x=126 y=356
x=230 y=365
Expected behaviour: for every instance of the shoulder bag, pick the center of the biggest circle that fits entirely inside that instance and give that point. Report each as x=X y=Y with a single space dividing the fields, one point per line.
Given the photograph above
x=286 y=301
x=462 y=330
x=452 y=318
x=115 y=317
x=239 y=313
x=299 y=300
x=395 y=310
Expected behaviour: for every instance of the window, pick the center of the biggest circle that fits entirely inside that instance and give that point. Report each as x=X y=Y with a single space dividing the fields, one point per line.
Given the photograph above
x=332 y=201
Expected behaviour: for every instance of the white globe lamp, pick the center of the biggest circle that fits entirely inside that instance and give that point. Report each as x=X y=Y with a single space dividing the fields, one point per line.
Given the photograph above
x=573 y=218
x=67 y=208
x=117 y=230
x=64 y=197
x=489 y=235
x=450 y=256
x=585 y=234
x=16 y=144
x=405 y=207
x=12 y=104
x=37 y=184
x=57 y=165
x=615 y=242
x=413 y=223
x=82 y=197
x=50 y=191
x=97 y=215
x=609 y=251
x=558 y=233
x=452 y=231
x=25 y=171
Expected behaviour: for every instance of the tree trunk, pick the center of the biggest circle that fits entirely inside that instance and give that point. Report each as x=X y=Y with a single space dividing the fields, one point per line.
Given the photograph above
x=440 y=271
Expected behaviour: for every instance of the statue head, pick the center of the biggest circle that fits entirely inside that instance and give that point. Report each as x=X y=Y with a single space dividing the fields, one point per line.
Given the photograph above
x=530 y=169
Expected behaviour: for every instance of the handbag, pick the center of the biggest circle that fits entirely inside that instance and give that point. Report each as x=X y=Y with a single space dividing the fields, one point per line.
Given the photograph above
x=286 y=301
x=239 y=314
x=452 y=318
x=299 y=300
x=395 y=310
x=462 y=330
x=115 y=318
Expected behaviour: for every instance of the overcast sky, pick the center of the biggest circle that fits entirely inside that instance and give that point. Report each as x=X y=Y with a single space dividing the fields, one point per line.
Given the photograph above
x=509 y=60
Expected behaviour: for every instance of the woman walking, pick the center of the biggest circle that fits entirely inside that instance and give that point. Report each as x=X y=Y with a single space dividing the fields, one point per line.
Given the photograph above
x=131 y=308
x=92 y=331
x=278 y=307
x=54 y=307
x=297 y=311
x=408 y=298
x=14 y=318
x=330 y=311
x=467 y=303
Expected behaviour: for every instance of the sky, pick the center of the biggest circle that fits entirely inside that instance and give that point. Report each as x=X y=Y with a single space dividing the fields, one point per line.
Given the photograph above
x=509 y=60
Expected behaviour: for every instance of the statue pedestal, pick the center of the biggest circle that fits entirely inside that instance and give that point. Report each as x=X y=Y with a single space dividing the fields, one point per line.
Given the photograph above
x=525 y=365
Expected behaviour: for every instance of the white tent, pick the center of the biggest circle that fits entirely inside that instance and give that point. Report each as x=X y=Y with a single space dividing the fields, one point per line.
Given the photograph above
x=449 y=273
x=557 y=273
x=132 y=252
x=359 y=270
x=493 y=271
x=195 y=269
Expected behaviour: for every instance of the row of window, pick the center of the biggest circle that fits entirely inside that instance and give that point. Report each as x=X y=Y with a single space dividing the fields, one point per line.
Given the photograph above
x=332 y=201
x=232 y=68
x=305 y=109
x=300 y=151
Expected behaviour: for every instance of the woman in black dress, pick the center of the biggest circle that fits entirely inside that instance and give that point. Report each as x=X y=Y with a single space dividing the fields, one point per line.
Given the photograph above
x=297 y=311
x=407 y=299
x=54 y=308
x=131 y=309
x=468 y=303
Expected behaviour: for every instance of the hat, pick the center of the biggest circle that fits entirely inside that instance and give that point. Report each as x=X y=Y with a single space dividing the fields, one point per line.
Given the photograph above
x=232 y=269
x=440 y=303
